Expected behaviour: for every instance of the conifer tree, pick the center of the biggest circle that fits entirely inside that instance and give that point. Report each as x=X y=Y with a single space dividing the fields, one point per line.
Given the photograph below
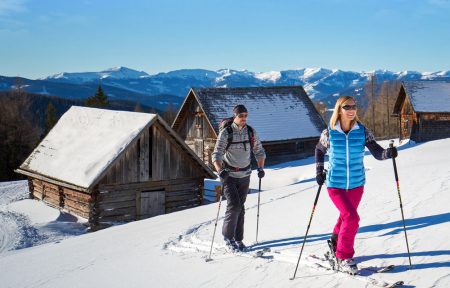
x=99 y=100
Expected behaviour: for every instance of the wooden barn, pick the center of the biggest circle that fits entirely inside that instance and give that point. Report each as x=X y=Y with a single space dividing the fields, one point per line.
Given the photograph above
x=286 y=120
x=423 y=110
x=109 y=166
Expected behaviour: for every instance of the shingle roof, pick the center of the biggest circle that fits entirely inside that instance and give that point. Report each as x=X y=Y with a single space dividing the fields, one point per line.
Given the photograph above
x=428 y=96
x=276 y=113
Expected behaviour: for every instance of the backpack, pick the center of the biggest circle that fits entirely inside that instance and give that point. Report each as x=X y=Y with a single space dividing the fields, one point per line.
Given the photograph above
x=226 y=124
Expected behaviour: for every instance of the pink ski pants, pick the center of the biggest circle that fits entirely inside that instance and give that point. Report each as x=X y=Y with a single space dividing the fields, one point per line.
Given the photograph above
x=346 y=201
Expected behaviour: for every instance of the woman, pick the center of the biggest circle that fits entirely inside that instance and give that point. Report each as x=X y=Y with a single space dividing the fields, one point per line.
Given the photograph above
x=345 y=141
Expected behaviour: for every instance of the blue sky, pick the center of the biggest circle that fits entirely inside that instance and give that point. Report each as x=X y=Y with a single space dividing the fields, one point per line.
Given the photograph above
x=43 y=37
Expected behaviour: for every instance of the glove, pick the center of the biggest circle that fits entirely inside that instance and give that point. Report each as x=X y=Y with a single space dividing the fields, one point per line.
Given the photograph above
x=261 y=173
x=223 y=174
x=391 y=152
x=320 y=177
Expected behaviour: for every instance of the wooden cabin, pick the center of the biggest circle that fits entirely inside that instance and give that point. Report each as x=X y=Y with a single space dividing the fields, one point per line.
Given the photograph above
x=423 y=110
x=109 y=166
x=285 y=119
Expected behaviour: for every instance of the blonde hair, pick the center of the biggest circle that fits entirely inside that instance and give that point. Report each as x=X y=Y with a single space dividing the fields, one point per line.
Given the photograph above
x=336 y=115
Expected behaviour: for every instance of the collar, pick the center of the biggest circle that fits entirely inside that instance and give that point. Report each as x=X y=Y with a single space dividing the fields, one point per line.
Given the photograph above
x=338 y=127
x=235 y=126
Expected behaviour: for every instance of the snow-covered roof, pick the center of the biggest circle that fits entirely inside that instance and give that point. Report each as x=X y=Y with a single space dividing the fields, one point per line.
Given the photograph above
x=428 y=96
x=276 y=113
x=84 y=142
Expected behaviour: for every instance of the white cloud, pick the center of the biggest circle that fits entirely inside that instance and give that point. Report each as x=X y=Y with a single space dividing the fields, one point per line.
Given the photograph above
x=8 y=6
x=440 y=3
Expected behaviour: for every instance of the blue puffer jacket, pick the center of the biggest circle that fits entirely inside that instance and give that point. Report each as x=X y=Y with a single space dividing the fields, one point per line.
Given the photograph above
x=346 y=154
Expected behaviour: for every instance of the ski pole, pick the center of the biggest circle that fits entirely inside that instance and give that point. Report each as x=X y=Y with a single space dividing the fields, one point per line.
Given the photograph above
x=257 y=215
x=215 y=225
x=306 y=234
x=391 y=144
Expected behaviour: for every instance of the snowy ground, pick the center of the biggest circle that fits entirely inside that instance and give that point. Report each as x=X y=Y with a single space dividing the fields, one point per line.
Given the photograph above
x=170 y=250
x=25 y=223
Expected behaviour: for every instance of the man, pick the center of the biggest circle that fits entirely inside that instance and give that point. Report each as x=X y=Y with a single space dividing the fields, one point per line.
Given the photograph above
x=232 y=161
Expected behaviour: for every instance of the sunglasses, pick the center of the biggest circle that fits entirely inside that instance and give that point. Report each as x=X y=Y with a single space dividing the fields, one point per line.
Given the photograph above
x=242 y=115
x=349 y=107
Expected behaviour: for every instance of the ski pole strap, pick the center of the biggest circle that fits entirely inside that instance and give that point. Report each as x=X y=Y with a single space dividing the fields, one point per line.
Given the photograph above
x=236 y=169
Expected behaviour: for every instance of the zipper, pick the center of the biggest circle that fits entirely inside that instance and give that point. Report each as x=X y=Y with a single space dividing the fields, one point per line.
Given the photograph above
x=348 y=159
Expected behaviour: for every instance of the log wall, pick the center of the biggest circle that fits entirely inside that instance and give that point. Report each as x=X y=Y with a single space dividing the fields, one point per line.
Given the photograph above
x=57 y=196
x=431 y=126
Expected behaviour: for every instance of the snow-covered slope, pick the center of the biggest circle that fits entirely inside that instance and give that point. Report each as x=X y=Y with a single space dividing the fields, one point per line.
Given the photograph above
x=169 y=250
x=111 y=73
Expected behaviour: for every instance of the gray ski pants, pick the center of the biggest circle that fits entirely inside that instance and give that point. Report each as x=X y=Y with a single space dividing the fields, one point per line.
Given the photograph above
x=236 y=190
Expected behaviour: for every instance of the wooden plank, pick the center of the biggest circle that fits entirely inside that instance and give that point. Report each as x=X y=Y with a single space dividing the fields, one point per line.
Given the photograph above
x=37 y=195
x=138 y=205
x=127 y=197
x=36 y=181
x=109 y=175
x=83 y=207
x=57 y=182
x=141 y=157
x=79 y=196
x=38 y=189
x=135 y=163
x=183 y=202
x=118 y=212
x=118 y=172
x=51 y=186
x=117 y=205
x=182 y=197
x=51 y=195
x=49 y=191
x=182 y=193
x=38 y=184
x=116 y=193
x=184 y=187
x=157 y=155
x=120 y=218
x=123 y=169
x=147 y=156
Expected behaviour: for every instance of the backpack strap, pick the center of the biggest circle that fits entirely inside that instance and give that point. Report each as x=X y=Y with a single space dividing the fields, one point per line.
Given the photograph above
x=230 y=136
x=251 y=136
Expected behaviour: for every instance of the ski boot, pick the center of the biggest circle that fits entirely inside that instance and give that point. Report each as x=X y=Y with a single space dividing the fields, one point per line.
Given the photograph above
x=333 y=240
x=231 y=245
x=241 y=246
x=347 y=266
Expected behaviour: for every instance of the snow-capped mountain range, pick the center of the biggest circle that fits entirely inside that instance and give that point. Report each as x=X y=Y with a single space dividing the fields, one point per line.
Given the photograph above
x=129 y=84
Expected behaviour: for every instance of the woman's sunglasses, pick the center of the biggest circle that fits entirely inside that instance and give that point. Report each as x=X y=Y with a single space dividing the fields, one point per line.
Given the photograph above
x=349 y=107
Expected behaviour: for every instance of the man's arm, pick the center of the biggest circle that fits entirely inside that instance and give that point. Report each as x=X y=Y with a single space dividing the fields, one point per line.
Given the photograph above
x=258 y=151
x=219 y=149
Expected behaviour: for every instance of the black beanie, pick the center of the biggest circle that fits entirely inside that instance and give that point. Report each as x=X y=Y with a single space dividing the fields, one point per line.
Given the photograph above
x=238 y=109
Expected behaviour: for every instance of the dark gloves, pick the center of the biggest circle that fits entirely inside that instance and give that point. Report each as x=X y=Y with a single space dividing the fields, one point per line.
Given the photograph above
x=320 y=177
x=223 y=174
x=391 y=152
x=261 y=172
